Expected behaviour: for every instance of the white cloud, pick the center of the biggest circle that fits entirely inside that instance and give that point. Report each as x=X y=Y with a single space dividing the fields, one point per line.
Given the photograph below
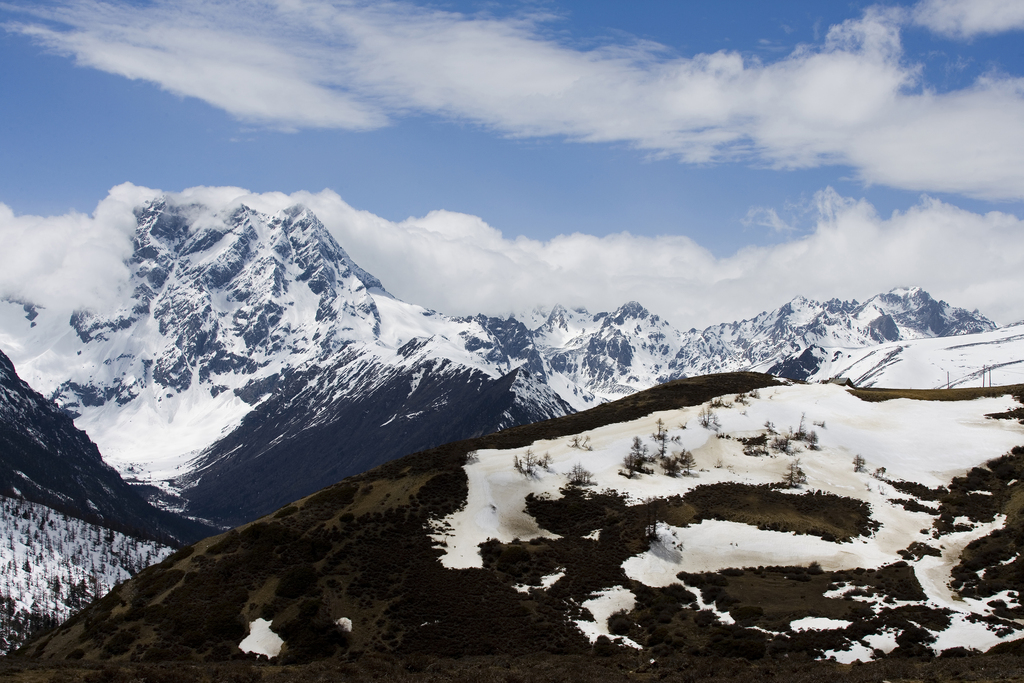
x=967 y=19
x=459 y=265
x=767 y=217
x=851 y=100
x=70 y=261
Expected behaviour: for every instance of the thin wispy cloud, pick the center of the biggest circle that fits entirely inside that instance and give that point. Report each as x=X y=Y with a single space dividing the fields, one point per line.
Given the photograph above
x=966 y=19
x=853 y=99
x=458 y=264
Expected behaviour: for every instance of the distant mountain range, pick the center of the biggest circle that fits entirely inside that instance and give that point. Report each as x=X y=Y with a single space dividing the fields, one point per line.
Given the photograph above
x=251 y=361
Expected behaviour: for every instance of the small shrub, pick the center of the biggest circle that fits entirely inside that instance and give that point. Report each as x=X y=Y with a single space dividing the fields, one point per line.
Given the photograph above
x=781 y=444
x=619 y=624
x=512 y=556
x=580 y=476
x=604 y=647
x=285 y=512
x=636 y=459
x=296 y=582
x=671 y=466
x=708 y=419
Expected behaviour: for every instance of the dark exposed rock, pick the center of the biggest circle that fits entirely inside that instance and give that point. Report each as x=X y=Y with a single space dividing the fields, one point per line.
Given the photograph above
x=45 y=459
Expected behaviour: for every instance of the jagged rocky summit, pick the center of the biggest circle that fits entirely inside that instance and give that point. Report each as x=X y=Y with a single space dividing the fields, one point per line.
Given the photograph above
x=250 y=361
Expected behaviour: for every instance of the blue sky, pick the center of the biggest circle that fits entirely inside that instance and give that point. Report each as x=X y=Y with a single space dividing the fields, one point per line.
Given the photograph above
x=719 y=122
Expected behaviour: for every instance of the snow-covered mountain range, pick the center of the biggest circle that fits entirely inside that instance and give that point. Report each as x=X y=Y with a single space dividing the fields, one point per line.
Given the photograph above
x=251 y=361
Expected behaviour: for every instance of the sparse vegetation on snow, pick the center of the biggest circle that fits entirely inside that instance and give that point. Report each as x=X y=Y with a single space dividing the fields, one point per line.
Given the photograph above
x=53 y=565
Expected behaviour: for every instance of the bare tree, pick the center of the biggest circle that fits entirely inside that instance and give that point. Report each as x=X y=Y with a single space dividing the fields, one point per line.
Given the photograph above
x=859 y=463
x=581 y=443
x=660 y=438
x=795 y=475
x=781 y=444
x=708 y=419
x=579 y=476
x=529 y=463
x=636 y=458
x=801 y=431
x=651 y=518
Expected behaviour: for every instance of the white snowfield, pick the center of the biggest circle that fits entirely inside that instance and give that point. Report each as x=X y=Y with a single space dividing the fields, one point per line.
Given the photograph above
x=261 y=640
x=962 y=361
x=921 y=441
x=602 y=606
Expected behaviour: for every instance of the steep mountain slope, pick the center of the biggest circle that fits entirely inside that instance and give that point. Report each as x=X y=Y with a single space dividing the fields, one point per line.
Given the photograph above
x=609 y=354
x=253 y=470
x=44 y=458
x=54 y=565
x=59 y=509
x=796 y=529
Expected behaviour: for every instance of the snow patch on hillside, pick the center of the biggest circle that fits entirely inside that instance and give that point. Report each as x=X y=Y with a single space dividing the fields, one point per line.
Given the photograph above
x=602 y=606
x=261 y=640
x=928 y=442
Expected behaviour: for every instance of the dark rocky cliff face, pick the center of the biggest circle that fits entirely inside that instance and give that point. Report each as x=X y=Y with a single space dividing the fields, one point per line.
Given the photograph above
x=45 y=459
x=307 y=436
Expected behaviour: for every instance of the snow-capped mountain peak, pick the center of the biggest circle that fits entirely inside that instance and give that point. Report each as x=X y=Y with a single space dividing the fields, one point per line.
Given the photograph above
x=229 y=312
